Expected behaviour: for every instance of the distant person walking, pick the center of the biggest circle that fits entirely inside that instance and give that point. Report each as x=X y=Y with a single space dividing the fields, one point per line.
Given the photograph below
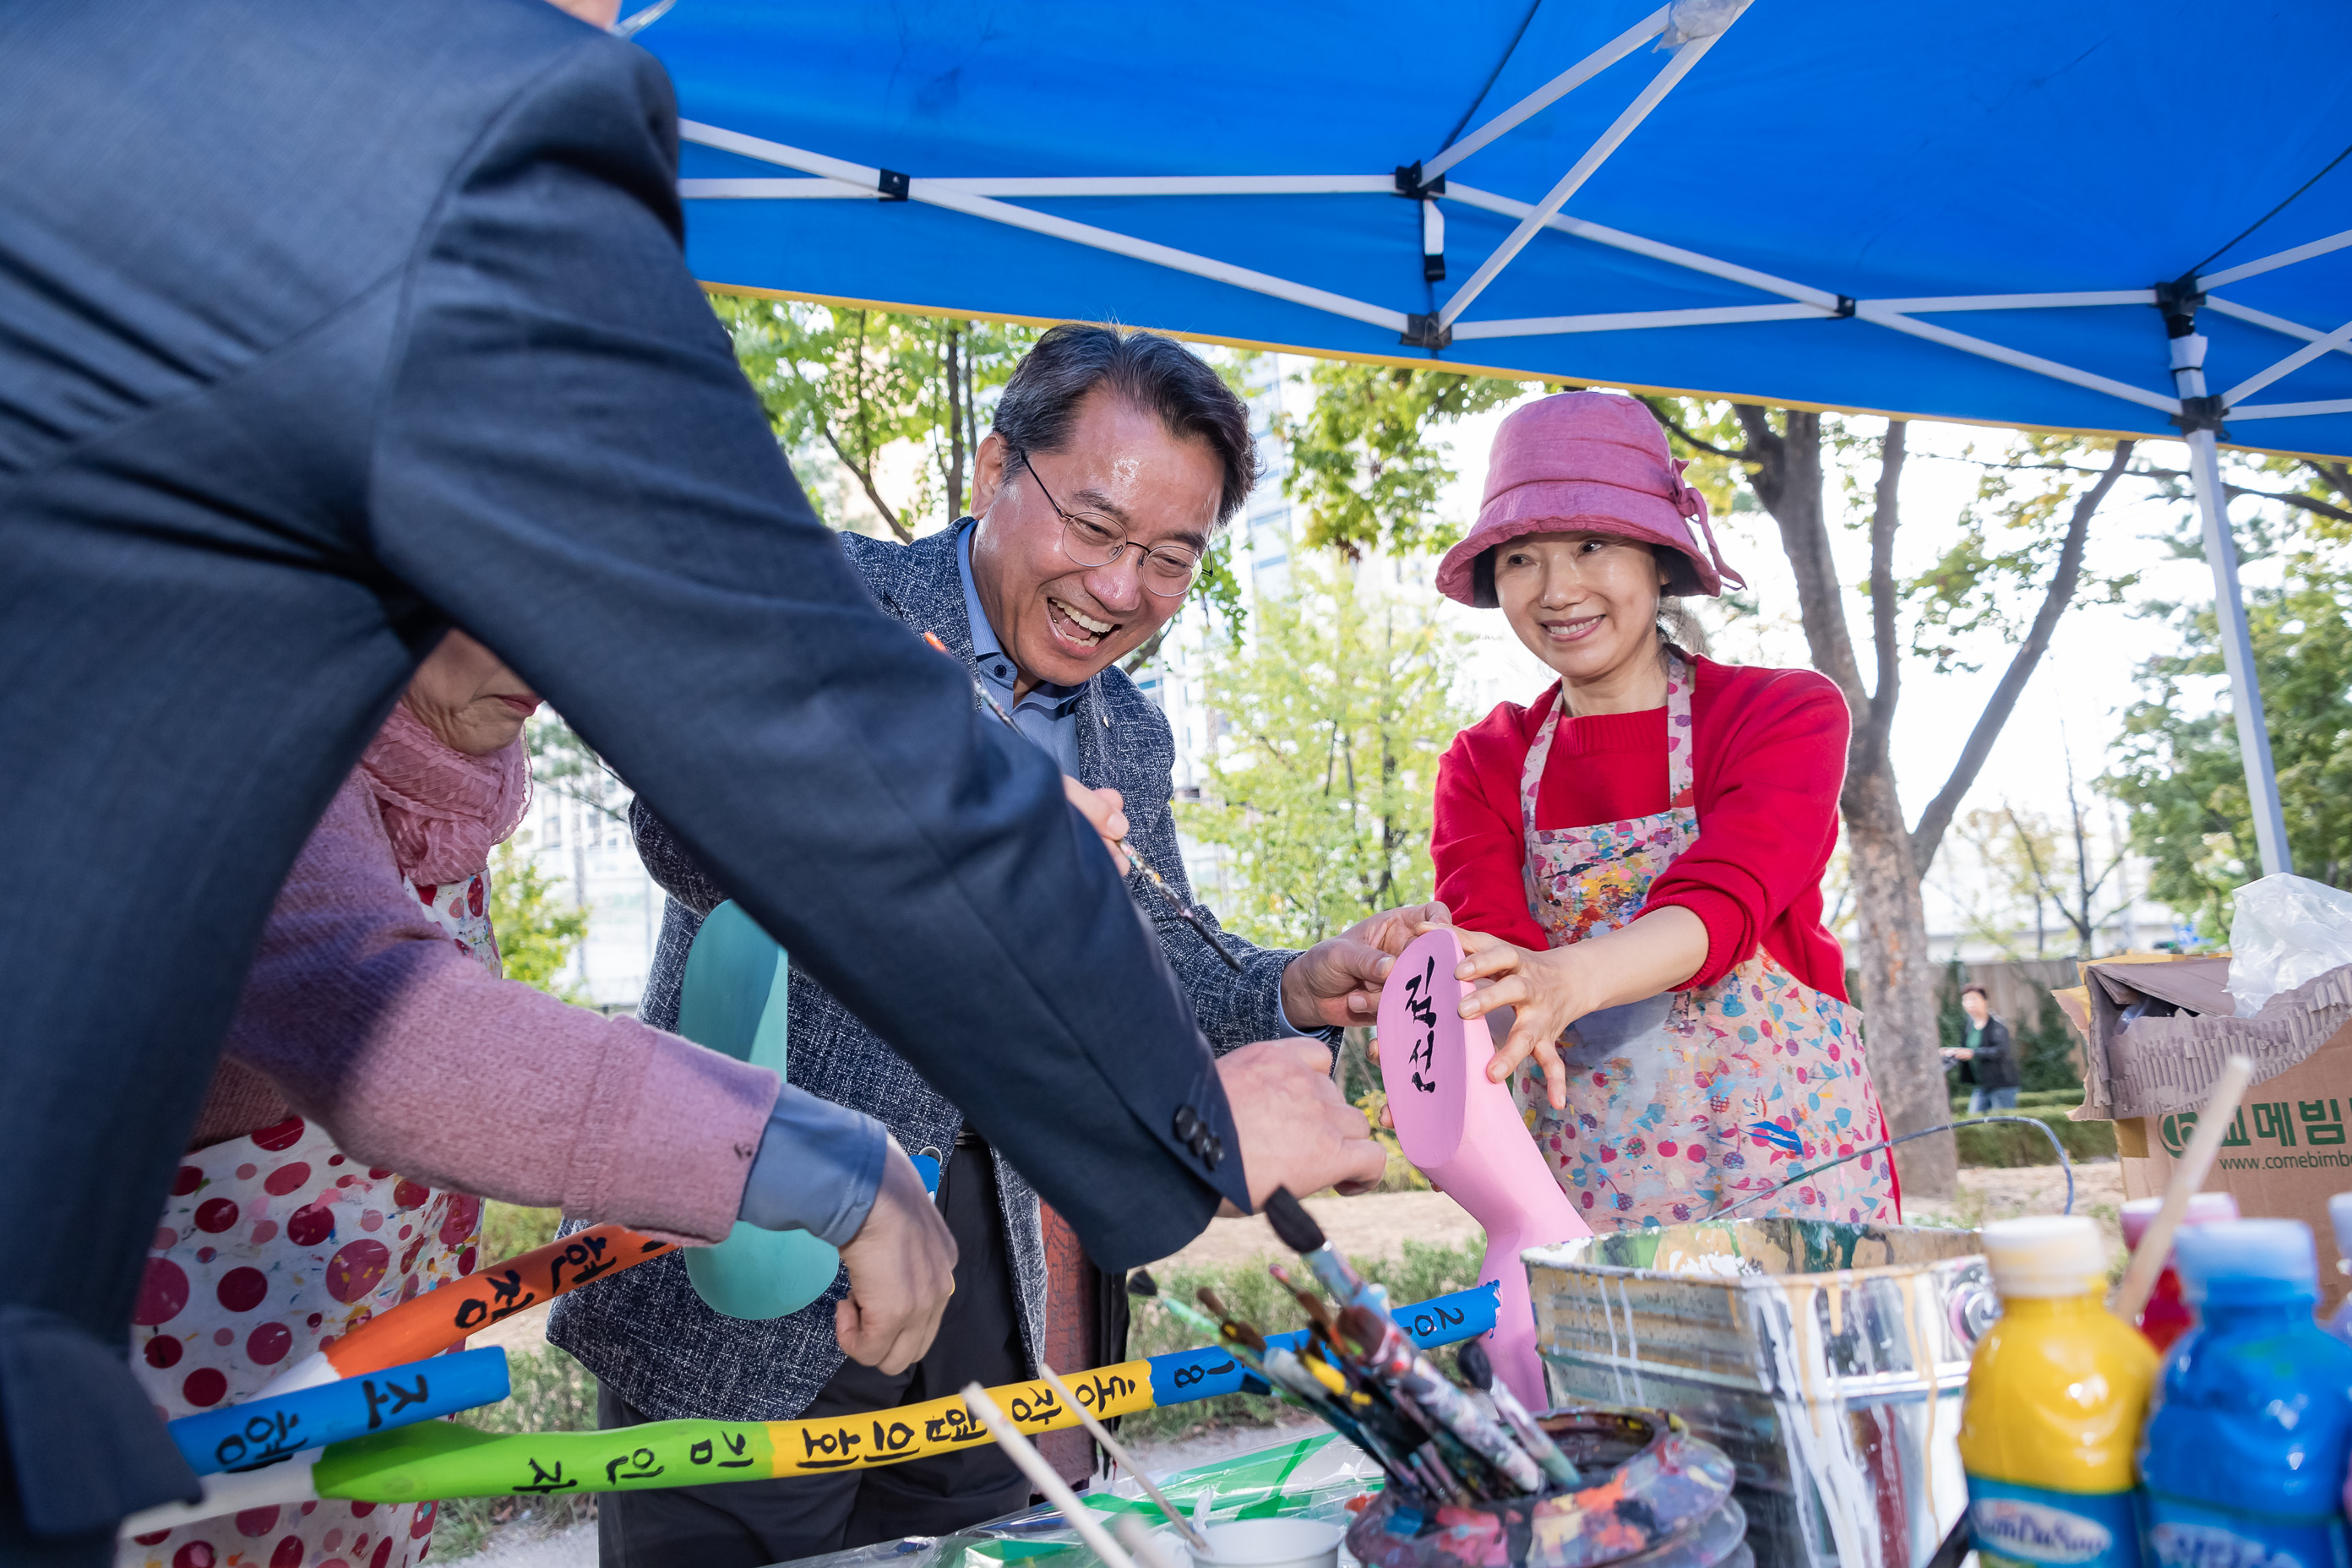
x=1990 y=1052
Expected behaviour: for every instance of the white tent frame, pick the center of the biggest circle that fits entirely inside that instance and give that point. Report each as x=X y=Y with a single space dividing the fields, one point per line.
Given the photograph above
x=991 y=199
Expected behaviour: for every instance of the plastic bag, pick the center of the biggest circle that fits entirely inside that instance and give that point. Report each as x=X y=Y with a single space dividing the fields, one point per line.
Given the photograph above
x=2287 y=931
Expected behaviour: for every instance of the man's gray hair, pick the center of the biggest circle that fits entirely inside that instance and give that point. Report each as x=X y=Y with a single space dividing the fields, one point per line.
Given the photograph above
x=1157 y=375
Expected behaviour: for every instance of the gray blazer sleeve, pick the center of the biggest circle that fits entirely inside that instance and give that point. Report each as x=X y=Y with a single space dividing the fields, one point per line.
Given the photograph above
x=568 y=462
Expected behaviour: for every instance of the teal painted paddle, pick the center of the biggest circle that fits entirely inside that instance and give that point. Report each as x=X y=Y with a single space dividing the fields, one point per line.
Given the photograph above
x=733 y=1001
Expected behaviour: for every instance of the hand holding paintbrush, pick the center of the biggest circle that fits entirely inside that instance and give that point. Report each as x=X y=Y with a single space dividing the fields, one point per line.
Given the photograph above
x=1184 y=911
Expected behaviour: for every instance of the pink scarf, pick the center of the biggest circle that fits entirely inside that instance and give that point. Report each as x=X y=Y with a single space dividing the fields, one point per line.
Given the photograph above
x=443 y=809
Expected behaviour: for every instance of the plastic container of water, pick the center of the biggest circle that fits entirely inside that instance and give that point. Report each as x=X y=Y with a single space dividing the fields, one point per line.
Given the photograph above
x=2245 y=1456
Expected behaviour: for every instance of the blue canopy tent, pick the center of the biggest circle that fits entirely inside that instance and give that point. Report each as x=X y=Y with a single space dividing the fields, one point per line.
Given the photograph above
x=2127 y=216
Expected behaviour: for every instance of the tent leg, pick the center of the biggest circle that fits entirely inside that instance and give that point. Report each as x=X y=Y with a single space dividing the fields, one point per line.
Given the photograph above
x=2238 y=654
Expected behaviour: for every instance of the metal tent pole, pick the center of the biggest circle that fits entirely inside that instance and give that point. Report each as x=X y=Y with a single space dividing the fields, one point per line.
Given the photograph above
x=2201 y=415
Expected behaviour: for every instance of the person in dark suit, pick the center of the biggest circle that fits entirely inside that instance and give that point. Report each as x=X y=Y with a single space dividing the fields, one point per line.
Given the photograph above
x=323 y=329
x=1115 y=458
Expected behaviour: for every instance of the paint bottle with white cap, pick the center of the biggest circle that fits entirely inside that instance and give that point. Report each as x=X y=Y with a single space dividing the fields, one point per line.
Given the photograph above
x=2058 y=1389
x=2166 y=1316
x=2246 y=1453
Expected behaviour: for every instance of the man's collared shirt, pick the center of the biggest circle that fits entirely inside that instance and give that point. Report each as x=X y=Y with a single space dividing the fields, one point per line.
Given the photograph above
x=1048 y=715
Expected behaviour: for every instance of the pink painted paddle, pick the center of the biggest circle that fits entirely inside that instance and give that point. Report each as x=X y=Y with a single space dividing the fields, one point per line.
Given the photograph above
x=1465 y=1133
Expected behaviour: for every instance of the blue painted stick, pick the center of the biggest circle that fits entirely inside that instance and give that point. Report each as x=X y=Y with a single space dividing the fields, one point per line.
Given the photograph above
x=1179 y=1377
x=264 y=1430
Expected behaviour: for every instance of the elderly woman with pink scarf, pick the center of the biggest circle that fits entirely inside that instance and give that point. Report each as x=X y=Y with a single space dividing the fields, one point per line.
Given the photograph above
x=379 y=1074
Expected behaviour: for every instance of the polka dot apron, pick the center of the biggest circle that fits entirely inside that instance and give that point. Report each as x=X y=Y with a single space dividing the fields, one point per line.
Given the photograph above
x=1682 y=1102
x=270 y=1245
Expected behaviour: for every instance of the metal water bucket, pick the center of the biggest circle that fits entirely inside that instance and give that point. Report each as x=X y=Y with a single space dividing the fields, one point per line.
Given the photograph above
x=1827 y=1359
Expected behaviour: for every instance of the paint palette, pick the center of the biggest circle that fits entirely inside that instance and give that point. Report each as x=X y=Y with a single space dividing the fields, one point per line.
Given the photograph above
x=1465 y=1133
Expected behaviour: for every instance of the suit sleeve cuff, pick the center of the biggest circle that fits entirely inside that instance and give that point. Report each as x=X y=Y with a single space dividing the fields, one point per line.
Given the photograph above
x=818 y=1168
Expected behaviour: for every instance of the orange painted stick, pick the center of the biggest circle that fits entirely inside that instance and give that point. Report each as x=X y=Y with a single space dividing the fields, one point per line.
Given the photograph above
x=440 y=1317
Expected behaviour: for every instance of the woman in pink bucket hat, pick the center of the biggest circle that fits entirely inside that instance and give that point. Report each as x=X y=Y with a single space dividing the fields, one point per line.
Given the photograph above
x=1635 y=858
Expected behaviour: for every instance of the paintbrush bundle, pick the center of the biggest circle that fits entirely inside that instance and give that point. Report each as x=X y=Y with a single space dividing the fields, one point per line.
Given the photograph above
x=1438 y=1443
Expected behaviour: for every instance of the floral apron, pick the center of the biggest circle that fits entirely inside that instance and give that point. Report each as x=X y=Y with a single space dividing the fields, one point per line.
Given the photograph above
x=1680 y=1103
x=270 y=1245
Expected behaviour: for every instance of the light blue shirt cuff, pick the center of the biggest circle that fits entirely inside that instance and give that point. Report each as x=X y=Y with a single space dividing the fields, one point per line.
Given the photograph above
x=818 y=1168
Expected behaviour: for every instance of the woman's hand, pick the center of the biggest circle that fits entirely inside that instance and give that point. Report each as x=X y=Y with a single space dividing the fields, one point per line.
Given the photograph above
x=1546 y=993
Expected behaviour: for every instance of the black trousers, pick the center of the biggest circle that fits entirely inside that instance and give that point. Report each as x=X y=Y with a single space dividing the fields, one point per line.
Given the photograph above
x=748 y=1524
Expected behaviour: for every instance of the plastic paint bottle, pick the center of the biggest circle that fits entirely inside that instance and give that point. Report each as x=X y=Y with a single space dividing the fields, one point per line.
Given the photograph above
x=2166 y=1317
x=2057 y=1392
x=2339 y=1219
x=2247 y=1449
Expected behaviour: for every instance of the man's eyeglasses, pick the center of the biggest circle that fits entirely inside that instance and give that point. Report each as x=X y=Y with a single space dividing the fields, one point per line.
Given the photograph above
x=1167 y=570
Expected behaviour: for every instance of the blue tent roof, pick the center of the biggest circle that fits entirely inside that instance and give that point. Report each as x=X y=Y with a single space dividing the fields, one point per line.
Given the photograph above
x=1833 y=163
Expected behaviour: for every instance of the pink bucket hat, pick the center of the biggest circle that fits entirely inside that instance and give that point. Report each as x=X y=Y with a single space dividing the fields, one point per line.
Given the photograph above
x=1587 y=462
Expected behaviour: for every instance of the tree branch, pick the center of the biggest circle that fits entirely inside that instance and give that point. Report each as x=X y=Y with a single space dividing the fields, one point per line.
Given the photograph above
x=866 y=479
x=1658 y=408
x=1788 y=480
x=1884 y=599
x=2055 y=600
x=2338 y=473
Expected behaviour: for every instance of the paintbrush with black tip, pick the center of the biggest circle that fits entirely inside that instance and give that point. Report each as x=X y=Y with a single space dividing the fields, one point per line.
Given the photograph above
x=1297 y=1229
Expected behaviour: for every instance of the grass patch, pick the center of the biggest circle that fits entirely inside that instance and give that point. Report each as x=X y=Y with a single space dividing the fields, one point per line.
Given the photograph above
x=508 y=1230
x=2028 y=1099
x=1424 y=1269
x=553 y=1392
x=2005 y=1143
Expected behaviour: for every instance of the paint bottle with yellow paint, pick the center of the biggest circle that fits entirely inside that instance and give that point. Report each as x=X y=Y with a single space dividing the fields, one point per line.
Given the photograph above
x=2057 y=1393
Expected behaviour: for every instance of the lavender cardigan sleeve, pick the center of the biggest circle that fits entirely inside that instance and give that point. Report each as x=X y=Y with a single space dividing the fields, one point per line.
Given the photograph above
x=413 y=1056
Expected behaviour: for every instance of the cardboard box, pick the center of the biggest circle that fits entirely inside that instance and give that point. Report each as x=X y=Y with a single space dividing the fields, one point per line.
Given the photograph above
x=2288 y=1150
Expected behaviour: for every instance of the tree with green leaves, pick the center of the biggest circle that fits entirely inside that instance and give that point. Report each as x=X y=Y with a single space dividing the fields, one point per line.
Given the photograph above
x=2015 y=567
x=1333 y=718
x=853 y=382
x=537 y=934
x=1366 y=460
x=2178 y=769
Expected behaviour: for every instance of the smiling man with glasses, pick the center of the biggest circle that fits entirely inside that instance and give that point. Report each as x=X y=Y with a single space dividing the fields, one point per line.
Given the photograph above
x=1114 y=458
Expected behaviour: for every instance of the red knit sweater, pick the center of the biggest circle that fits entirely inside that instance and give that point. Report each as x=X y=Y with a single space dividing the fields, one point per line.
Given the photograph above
x=1770 y=757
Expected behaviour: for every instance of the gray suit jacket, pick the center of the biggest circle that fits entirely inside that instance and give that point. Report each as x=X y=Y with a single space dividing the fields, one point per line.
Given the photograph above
x=646 y=1332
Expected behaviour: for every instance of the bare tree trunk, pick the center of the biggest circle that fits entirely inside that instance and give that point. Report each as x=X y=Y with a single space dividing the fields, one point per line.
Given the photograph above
x=1898 y=984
